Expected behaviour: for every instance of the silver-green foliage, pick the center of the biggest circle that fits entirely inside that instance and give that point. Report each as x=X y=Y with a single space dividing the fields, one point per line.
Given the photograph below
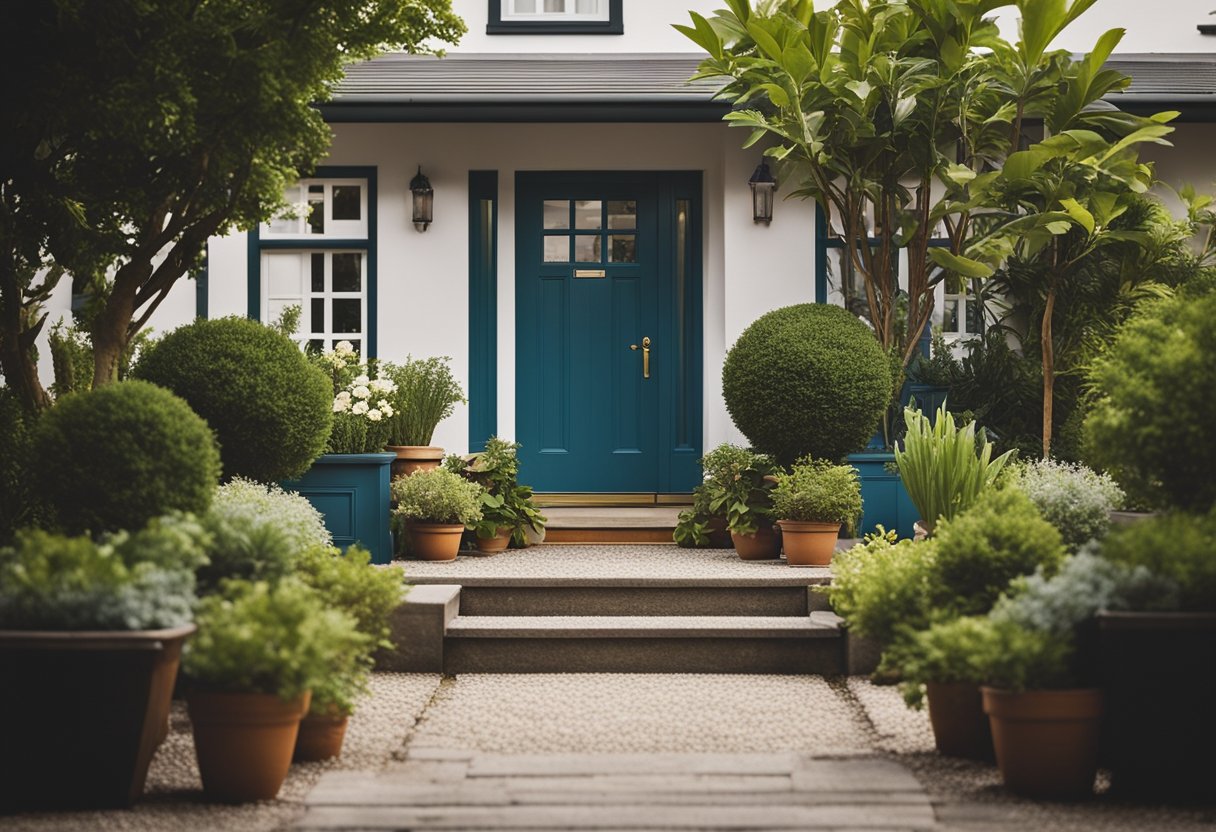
x=817 y=491
x=1075 y=499
x=942 y=467
x=427 y=393
x=438 y=496
x=128 y=581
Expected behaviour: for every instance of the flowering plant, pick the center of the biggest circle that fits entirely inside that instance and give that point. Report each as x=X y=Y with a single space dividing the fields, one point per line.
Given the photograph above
x=362 y=407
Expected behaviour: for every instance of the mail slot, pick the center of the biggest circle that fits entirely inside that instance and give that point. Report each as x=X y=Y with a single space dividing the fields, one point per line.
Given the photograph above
x=590 y=273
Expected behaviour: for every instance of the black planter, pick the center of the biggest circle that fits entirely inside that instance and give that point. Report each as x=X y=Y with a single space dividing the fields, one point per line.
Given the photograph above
x=84 y=713
x=1159 y=673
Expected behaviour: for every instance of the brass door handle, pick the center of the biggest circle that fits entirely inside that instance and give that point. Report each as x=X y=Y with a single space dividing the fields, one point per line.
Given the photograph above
x=645 y=356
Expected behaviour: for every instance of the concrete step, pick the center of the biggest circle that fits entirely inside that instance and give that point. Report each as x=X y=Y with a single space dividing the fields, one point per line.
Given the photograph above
x=639 y=597
x=644 y=644
x=589 y=525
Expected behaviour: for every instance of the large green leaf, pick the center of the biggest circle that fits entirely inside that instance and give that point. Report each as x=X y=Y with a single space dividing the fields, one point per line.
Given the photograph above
x=960 y=265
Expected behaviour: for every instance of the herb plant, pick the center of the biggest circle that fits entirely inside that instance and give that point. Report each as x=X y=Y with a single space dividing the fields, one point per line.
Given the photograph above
x=438 y=496
x=1075 y=499
x=427 y=393
x=817 y=491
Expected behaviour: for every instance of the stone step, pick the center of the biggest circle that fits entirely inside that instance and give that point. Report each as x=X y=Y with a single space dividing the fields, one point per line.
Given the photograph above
x=639 y=597
x=644 y=644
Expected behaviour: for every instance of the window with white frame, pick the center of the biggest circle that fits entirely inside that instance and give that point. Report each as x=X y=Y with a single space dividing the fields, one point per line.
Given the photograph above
x=326 y=275
x=537 y=17
x=572 y=10
x=961 y=315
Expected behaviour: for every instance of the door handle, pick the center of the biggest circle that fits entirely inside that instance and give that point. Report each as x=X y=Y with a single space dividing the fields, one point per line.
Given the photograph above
x=645 y=356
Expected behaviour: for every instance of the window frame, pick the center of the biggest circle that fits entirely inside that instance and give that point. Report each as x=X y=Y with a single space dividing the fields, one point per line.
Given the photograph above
x=498 y=25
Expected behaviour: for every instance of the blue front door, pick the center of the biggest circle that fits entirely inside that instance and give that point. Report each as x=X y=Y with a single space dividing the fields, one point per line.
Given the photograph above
x=607 y=392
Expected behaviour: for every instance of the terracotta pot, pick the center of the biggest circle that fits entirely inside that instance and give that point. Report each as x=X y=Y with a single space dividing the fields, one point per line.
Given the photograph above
x=719 y=534
x=86 y=712
x=763 y=545
x=244 y=742
x=1046 y=740
x=497 y=543
x=435 y=541
x=320 y=738
x=411 y=458
x=960 y=726
x=808 y=544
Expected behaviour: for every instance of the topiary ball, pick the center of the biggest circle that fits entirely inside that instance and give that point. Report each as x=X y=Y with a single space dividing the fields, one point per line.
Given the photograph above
x=116 y=457
x=807 y=380
x=270 y=408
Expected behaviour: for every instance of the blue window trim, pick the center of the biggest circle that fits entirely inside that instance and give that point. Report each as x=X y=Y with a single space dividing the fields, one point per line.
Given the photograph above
x=614 y=25
x=256 y=245
x=483 y=311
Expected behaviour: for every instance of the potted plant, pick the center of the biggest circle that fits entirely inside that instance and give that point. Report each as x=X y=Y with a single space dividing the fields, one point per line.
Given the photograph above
x=426 y=394
x=437 y=506
x=704 y=524
x=91 y=636
x=747 y=502
x=508 y=512
x=369 y=595
x=813 y=500
x=349 y=483
x=259 y=652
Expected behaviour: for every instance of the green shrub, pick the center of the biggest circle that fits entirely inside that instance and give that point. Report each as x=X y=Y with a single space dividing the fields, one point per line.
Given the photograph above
x=1155 y=389
x=269 y=406
x=816 y=491
x=129 y=581
x=299 y=520
x=115 y=457
x=505 y=504
x=723 y=469
x=438 y=496
x=255 y=638
x=981 y=550
x=17 y=504
x=807 y=380
x=944 y=467
x=1179 y=547
x=426 y=394
x=367 y=593
x=1075 y=499
x=881 y=589
x=951 y=651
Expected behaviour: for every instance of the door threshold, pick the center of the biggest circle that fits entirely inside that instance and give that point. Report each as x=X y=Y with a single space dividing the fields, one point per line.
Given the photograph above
x=608 y=500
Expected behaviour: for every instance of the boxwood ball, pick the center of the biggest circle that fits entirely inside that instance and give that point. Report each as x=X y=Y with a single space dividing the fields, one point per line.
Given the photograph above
x=270 y=408
x=116 y=457
x=807 y=379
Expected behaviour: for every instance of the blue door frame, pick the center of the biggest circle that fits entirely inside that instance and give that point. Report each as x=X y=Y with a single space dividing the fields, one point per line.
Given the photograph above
x=587 y=416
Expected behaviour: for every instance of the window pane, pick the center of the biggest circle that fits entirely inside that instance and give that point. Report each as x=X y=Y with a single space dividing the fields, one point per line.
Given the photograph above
x=283 y=275
x=973 y=316
x=557 y=213
x=555 y=6
x=348 y=315
x=587 y=6
x=348 y=271
x=316 y=345
x=587 y=248
x=316 y=212
x=357 y=345
x=622 y=248
x=316 y=189
x=317 y=323
x=587 y=213
x=525 y=6
x=318 y=272
x=346 y=202
x=950 y=316
x=622 y=213
x=557 y=249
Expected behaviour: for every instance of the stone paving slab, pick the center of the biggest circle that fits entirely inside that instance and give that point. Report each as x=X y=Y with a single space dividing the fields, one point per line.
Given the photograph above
x=817 y=625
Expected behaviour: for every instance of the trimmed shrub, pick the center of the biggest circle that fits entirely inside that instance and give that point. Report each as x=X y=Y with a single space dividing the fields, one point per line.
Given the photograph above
x=1075 y=499
x=998 y=539
x=1180 y=548
x=881 y=589
x=269 y=406
x=1155 y=388
x=807 y=380
x=438 y=496
x=115 y=457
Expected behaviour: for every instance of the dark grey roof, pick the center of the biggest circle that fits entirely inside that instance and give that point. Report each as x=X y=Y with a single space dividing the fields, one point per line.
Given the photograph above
x=645 y=87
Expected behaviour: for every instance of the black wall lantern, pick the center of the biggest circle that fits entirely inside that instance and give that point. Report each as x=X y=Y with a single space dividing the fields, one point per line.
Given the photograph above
x=763 y=186
x=424 y=200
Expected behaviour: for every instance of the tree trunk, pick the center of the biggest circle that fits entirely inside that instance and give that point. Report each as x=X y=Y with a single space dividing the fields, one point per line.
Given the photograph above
x=21 y=372
x=110 y=329
x=1047 y=347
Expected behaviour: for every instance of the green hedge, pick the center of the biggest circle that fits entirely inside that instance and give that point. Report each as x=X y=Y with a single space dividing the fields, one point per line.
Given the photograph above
x=270 y=408
x=807 y=380
x=115 y=457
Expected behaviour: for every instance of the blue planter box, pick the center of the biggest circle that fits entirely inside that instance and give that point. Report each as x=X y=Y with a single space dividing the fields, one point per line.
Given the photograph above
x=884 y=498
x=351 y=491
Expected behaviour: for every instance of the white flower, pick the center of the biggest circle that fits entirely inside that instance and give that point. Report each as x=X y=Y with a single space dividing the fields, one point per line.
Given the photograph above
x=344 y=348
x=373 y=415
x=341 y=405
x=344 y=395
x=382 y=385
x=361 y=392
x=337 y=361
x=362 y=380
x=359 y=408
x=387 y=410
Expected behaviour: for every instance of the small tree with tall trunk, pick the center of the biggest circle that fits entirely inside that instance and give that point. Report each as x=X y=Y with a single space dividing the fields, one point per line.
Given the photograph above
x=139 y=130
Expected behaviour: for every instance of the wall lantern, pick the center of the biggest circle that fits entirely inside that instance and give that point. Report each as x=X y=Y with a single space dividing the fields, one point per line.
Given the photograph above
x=424 y=200
x=763 y=186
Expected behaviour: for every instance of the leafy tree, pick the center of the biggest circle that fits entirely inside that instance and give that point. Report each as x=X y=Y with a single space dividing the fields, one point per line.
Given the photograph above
x=139 y=130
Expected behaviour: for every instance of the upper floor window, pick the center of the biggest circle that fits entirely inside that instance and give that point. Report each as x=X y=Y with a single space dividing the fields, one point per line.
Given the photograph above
x=542 y=17
x=332 y=208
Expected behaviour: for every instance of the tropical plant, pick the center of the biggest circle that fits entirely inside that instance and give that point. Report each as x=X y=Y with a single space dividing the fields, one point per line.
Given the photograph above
x=269 y=407
x=1152 y=405
x=999 y=538
x=746 y=494
x=505 y=504
x=816 y=491
x=1075 y=499
x=427 y=393
x=945 y=468
x=438 y=496
x=142 y=580
x=882 y=588
x=259 y=638
x=115 y=457
x=720 y=468
x=1177 y=547
x=806 y=380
